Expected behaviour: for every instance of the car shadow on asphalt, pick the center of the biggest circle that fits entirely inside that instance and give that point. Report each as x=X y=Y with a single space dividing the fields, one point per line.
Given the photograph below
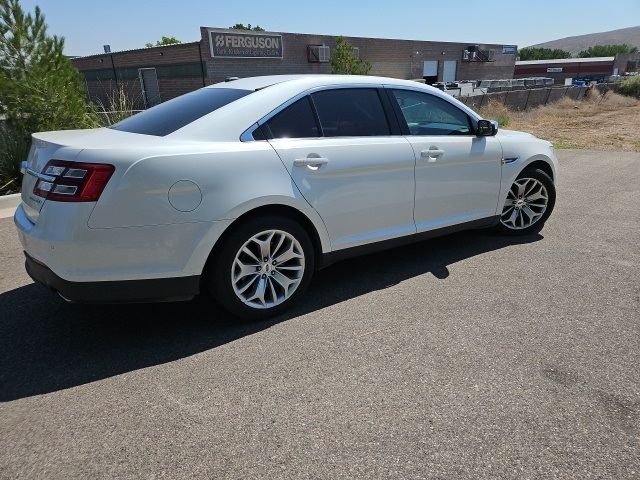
x=47 y=345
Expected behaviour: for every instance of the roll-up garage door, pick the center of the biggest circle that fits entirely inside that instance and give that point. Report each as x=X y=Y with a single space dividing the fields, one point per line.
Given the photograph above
x=449 y=71
x=430 y=68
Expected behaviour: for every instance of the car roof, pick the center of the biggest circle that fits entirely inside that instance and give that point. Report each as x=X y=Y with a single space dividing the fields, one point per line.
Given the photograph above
x=310 y=81
x=270 y=92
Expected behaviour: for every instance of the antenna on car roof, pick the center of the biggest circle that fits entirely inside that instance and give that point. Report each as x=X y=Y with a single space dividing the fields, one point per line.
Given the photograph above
x=231 y=79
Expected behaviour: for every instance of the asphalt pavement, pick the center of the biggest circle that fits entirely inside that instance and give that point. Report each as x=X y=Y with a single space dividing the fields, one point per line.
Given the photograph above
x=469 y=356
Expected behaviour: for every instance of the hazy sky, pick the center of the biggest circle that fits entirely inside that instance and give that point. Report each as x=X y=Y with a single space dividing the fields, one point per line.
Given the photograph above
x=89 y=24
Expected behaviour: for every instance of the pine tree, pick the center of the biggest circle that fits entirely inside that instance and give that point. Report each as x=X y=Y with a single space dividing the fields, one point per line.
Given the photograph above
x=39 y=87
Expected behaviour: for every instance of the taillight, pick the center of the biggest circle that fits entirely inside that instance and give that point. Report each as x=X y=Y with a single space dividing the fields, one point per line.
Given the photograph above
x=65 y=181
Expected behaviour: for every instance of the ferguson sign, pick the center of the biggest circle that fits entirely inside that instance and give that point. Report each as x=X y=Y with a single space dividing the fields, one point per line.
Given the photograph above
x=244 y=45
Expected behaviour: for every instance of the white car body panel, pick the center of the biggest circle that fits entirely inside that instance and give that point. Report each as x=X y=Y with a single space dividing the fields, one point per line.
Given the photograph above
x=364 y=193
x=461 y=185
x=172 y=197
x=520 y=149
x=213 y=167
x=80 y=254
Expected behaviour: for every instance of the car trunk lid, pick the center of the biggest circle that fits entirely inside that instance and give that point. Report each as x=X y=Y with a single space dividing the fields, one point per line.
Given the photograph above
x=40 y=153
x=67 y=145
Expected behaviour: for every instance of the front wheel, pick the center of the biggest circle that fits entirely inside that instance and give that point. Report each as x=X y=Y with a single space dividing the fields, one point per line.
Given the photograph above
x=263 y=266
x=529 y=203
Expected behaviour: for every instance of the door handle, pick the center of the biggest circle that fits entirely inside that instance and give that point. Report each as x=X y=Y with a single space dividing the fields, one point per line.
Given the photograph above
x=432 y=154
x=311 y=162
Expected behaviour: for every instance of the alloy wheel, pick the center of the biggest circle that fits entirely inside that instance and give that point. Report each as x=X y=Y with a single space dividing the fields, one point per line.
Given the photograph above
x=268 y=269
x=526 y=203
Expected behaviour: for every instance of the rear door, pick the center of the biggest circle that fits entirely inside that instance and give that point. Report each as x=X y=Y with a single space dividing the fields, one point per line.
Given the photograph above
x=149 y=84
x=349 y=163
x=457 y=173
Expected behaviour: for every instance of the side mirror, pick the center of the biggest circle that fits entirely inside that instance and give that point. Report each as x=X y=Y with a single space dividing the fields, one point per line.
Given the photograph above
x=486 y=128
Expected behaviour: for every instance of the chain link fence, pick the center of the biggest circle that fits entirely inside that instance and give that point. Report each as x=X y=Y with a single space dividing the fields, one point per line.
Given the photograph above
x=520 y=100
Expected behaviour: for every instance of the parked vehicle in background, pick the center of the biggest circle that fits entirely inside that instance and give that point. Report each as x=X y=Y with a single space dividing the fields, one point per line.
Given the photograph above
x=243 y=189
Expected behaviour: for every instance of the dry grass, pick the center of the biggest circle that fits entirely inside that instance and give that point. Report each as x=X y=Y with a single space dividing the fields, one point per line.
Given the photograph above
x=609 y=122
x=118 y=107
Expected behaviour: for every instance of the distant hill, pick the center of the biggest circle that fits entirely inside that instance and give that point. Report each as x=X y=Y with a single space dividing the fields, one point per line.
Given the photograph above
x=630 y=36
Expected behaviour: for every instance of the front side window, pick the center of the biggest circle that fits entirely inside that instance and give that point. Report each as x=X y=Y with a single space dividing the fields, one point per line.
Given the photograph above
x=427 y=114
x=295 y=121
x=351 y=112
x=170 y=116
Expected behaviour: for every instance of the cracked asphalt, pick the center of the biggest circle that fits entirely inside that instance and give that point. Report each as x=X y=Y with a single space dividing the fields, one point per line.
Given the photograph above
x=469 y=356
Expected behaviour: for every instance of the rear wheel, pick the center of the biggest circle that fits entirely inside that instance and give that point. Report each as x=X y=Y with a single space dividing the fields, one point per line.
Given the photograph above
x=529 y=203
x=263 y=267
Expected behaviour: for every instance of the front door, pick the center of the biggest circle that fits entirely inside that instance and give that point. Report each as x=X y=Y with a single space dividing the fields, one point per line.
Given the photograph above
x=457 y=173
x=347 y=164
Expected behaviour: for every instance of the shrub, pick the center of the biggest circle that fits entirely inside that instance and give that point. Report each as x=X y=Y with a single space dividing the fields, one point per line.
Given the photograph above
x=497 y=111
x=630 y=87
x=13 y=149
x=345 y=61
x=40 y=89
x=503 y=120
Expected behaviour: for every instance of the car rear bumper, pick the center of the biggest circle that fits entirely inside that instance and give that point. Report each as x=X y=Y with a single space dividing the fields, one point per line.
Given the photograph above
x=126 y=291
x=62 y=240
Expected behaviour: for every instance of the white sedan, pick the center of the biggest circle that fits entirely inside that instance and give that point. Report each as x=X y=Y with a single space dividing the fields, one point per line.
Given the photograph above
x=243 y=189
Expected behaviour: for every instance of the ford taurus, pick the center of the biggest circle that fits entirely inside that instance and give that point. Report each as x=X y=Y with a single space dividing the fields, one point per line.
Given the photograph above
x=243 y=189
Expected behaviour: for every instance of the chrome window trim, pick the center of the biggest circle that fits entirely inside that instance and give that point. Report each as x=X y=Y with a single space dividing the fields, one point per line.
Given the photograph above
x=335 y=138
x=247 y=135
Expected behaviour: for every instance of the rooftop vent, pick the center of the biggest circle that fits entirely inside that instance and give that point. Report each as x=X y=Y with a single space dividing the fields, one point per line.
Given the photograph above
x=473 y=53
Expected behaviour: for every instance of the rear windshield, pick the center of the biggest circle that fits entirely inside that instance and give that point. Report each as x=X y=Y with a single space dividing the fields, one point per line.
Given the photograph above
x=174 y=114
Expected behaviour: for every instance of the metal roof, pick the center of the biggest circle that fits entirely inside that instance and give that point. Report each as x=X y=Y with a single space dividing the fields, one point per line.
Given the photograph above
x=566 y=60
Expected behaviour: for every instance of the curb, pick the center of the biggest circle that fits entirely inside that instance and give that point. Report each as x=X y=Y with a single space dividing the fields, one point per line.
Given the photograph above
x=8 y=204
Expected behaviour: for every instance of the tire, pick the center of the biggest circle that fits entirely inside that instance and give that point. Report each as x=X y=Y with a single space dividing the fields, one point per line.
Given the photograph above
x=264 y=292
x=525 y=198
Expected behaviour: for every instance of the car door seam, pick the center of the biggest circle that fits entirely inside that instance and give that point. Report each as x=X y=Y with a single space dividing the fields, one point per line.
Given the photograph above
x=415 y=180
x=302 y=194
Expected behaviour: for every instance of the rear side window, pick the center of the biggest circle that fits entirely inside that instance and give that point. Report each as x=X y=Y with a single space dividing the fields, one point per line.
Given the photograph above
x=174 y=114
x=351 y=112
x=295 y=121
x=427 y=114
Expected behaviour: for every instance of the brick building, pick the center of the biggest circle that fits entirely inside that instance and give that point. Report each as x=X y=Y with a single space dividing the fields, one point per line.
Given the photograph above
x=151 y=75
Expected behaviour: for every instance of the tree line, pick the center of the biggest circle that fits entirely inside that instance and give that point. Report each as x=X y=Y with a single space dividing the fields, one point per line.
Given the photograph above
x=539 y=53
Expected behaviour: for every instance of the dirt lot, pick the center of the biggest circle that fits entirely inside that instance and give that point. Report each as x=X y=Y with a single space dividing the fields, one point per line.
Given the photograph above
x=597 y=123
